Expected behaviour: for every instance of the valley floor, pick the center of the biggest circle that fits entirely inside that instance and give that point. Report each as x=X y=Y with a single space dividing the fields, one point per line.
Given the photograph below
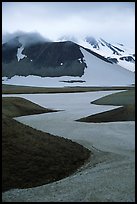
x=109 y=176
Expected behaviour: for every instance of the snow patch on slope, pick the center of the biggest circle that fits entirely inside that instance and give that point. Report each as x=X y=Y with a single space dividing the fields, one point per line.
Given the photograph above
x=19 y=53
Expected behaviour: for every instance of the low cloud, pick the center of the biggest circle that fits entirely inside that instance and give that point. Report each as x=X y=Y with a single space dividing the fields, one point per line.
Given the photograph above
x=114 y=21
x=25 y=38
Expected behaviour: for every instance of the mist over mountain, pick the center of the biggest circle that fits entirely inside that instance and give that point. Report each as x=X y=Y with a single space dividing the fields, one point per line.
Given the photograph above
x=25 y=38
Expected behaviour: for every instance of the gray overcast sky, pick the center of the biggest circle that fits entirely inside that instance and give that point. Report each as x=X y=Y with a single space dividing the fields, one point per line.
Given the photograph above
x=113 y=21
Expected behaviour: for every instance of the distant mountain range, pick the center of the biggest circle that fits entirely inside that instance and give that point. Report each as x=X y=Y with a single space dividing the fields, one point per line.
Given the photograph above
x=87 y=62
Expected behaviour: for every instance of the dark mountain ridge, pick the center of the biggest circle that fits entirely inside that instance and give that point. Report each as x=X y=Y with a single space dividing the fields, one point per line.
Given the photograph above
x=43 y=59
x=46 y=59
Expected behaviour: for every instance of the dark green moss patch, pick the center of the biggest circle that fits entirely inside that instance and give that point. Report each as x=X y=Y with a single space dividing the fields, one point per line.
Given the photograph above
x=125 y=113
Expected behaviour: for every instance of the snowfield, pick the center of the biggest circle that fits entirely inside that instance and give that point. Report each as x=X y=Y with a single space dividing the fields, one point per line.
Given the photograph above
x=107 y=52
x=109 y=175
x=102 y=47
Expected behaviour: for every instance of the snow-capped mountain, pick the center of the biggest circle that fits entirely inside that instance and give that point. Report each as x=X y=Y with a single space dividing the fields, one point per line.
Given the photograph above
x=65 y=63
x=115 y=52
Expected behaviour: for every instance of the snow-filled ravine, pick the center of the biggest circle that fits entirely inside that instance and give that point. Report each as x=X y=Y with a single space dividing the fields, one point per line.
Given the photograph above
x=109 y=175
